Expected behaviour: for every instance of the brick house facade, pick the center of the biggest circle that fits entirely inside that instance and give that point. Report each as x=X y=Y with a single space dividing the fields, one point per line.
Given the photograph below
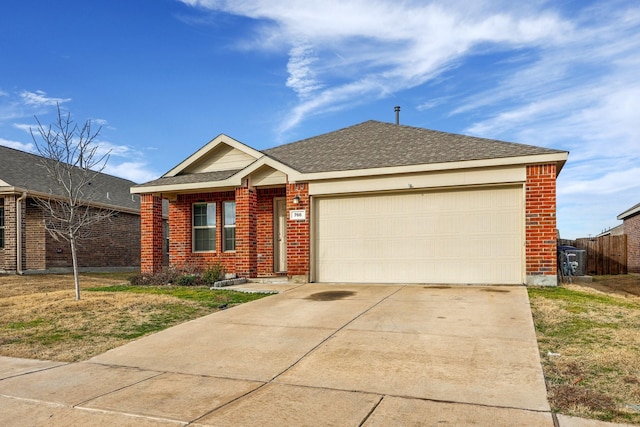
x=116 y=242
x=631 y=226
x=285 y=198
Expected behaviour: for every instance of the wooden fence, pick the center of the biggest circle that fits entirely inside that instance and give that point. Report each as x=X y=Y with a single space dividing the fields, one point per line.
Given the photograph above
x=605 y=254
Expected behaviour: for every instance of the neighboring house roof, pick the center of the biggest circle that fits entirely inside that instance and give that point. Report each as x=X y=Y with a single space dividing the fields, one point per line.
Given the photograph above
x=634 y=210
x=21 y=171
x=374 y=144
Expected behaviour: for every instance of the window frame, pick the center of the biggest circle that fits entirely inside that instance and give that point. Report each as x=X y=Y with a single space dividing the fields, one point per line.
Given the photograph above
x=228 y=227
x=207 y=226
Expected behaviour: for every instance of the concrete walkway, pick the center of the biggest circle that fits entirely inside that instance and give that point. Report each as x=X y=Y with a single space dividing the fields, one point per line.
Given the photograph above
x=335 y=355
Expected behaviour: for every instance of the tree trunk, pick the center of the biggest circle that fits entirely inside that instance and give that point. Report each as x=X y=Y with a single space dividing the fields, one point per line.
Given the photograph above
x=74 y=257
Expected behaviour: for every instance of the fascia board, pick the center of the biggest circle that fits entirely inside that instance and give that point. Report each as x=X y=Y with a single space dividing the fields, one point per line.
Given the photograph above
x=267 y=161
x=220 y=139
x=10 y=190
x=559 y=158
x=629 y=212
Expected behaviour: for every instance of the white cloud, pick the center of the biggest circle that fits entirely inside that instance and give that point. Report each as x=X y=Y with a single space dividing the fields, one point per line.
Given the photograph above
x=138 y=172
x=40 y=98
x=344 y=53
x=25 y=127
x=28 y=147
x=301 y=74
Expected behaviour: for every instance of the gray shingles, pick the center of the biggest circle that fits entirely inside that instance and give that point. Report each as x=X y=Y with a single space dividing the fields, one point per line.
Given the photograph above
x=374 y=144
x=191 y=178
x=25 y=170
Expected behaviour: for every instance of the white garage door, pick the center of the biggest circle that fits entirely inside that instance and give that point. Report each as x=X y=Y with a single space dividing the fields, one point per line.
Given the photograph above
x=460 y=236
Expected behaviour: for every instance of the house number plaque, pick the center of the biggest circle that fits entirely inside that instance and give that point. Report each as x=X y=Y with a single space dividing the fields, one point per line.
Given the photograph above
x=298 y=215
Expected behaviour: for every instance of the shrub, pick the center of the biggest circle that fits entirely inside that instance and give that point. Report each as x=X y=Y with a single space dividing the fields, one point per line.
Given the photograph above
x=163 y=277
x=212 y=274
x=187 y=280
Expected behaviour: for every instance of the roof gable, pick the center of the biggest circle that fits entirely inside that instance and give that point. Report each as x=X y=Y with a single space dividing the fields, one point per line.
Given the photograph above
x=374 y=144
x=219 y=154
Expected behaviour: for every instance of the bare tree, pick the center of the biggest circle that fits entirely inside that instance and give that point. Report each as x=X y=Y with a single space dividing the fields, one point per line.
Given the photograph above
x=72 y=161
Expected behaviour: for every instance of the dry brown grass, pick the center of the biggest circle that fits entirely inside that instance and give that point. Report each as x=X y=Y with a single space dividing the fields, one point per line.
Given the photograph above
x=589 y=339
x=40 y=319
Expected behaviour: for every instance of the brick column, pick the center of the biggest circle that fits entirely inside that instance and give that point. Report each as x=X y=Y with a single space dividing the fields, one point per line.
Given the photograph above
x=10 y=241
x=246 y=232
x=298 y=259
x=150 y=233
x=540 y=232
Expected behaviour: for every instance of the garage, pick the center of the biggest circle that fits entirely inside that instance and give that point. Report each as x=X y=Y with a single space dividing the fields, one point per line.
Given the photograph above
x=460 y=236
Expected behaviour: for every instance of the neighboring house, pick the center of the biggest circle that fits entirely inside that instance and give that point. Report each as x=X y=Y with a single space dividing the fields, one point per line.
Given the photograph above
x=631 y=225
x=371 y=203
x=25 y=245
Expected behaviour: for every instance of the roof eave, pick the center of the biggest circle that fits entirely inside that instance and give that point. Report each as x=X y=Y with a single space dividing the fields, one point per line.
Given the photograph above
x=559 y=159
x=41 y=195
x=629 y=212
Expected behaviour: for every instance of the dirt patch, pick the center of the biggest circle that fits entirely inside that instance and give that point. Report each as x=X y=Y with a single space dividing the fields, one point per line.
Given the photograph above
x=330 y=295
x=627 y=285
x=495 y=290
x=438 y=287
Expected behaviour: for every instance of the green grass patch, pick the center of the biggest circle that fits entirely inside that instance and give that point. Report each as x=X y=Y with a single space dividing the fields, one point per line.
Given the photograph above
x=201 y=295
x=25 y=325
x=586 y=341
x=577 y=299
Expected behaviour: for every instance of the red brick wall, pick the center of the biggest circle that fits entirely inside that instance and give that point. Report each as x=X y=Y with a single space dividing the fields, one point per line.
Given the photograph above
x=114 y=242
x=150 y=233
x=540 y=233
x=264 y=227
x=298 y=232
x=35 y=241
x=246 y=241
x=180 y=235
x=632 y=230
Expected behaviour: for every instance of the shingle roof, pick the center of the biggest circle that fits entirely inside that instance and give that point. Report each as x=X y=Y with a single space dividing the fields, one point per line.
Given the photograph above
x=25 y=170
x=191 y=178
x=374 y=144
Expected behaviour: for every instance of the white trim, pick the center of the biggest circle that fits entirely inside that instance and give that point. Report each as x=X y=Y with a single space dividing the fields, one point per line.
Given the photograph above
x=629 y=212
x=559 y=158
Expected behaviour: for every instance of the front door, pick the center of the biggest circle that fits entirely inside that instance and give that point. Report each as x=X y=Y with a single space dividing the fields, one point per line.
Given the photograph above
x=280 y=235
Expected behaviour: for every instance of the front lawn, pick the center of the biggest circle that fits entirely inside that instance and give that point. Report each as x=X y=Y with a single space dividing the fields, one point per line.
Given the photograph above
x=589 y=340
x=40 y=319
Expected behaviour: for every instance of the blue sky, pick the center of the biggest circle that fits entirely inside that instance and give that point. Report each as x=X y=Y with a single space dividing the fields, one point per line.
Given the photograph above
x=163 y=77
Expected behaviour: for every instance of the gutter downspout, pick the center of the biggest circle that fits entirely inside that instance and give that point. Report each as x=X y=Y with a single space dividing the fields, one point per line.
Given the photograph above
x=19 y=233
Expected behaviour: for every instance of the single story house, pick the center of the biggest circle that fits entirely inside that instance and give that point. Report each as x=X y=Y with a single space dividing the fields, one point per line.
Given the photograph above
x=25 y=245
x=371 y=203
x=631 y=227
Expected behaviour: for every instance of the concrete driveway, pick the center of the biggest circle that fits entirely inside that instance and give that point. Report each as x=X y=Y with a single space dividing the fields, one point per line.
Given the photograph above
x=341 y=355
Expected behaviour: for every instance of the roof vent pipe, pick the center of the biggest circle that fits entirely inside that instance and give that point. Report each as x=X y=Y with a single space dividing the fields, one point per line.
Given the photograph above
x=397 y=110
